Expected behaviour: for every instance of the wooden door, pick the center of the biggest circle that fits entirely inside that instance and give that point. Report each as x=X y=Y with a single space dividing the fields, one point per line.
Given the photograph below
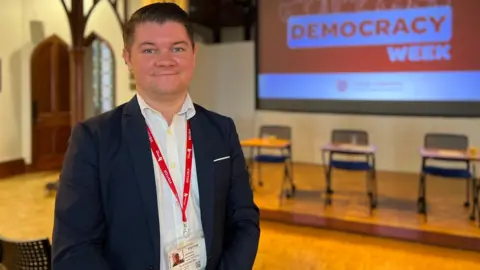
x=50 y=71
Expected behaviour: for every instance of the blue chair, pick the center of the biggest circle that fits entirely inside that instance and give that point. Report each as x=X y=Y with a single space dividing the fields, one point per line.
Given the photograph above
x=358 y=138
x=283 y=156
x=442 y=141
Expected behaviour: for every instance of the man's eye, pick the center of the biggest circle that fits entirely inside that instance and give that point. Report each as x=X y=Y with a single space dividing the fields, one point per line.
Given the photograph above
x=178 y=49
x=149 y=51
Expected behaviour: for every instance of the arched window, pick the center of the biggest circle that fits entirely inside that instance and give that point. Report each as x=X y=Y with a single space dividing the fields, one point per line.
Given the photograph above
x=103 y=76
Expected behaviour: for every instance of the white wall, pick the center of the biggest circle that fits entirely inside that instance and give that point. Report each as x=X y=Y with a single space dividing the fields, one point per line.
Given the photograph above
x=23 y=24
x=10 y=81
x=201 y=89
x=233 y=86
x=397 y=138
x=222 y=82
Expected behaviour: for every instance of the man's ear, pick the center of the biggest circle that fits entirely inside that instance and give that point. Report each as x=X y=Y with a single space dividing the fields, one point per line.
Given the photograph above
x=126 y=57
x=194 y=55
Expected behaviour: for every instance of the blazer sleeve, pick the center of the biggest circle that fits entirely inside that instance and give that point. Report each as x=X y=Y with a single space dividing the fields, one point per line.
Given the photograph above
x=79 y=224
x=242 y=230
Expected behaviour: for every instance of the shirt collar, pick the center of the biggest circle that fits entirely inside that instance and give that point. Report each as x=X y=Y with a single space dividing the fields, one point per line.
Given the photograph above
x=188 y=109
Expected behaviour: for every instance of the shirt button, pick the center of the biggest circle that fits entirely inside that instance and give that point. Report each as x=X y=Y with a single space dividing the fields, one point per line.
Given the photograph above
x=172 y=165
x=169 y=131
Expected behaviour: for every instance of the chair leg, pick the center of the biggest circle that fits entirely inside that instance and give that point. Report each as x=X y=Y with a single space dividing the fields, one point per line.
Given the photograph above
x=329 y=180
x=250 y=176
x=369 y=191
x=328 y=191
x=466 y=204
x=287 y=177
x=260 y=182
x=374 y=183
x=291 y=171
x=476 y=193
x=290 y=177
x=282 y=189
x=251 y=166
x=373 y=186
x=422 y=202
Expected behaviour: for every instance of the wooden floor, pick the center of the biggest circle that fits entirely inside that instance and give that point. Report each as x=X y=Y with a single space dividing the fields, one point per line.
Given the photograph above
x=397 y=198
x=26 y=212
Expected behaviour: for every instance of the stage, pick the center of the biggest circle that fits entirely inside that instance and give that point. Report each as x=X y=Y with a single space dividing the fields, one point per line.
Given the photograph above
x=447 y=224
x=26 y=212
x=396 y=217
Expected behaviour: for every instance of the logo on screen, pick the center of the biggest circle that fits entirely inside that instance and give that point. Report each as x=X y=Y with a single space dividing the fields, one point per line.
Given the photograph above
x=342 y=85
x=413 y=34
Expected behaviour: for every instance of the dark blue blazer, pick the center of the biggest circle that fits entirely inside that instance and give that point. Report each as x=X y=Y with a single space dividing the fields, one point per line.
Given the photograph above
x=106 y=214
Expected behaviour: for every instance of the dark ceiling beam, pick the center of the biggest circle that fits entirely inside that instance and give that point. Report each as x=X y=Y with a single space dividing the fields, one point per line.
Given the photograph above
x=217 y=24
x=249 y=16
x=213 y=13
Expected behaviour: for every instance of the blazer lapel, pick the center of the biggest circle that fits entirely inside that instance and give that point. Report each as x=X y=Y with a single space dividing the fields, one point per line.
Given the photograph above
x=136 y=134
x=203 y=146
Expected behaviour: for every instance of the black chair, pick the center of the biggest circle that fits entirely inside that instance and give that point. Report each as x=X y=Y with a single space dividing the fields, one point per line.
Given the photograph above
x=357 y=138
x=284 y=156
x=442 y=141
x=25 y=255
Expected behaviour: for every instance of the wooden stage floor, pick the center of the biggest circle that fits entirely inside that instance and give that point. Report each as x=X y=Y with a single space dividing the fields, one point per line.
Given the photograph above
x=396 y=216
x=27 y=213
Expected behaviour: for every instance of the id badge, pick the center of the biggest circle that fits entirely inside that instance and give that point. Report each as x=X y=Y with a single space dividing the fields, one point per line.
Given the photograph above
x=187 y=256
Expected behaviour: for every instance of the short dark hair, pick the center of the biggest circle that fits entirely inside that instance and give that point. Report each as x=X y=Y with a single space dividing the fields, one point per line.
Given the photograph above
x=160 y=13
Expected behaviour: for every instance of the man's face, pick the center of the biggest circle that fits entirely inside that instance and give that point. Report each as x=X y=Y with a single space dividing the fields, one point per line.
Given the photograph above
x=161 y=58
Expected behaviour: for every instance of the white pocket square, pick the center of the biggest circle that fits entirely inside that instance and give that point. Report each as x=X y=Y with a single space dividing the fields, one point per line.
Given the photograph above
x=222 y=158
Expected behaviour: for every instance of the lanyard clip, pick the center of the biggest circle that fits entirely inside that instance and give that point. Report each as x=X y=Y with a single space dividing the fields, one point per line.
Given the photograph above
x=185 y=228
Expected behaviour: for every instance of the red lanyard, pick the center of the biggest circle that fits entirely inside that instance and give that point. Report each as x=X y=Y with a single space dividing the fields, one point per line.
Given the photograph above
x=166 y=172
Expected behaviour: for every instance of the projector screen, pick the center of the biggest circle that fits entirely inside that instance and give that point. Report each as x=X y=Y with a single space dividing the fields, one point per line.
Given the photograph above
x=397 y=57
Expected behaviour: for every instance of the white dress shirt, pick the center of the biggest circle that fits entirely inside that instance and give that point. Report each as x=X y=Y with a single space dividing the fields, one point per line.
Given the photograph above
x=172 y=142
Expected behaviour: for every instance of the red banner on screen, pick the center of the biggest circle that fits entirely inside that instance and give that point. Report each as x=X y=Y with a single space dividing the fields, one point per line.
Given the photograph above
x=292 y=43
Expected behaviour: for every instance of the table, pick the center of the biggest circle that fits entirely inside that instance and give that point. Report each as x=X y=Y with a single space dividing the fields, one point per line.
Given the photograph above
x=351 y=149
x=272 y=143
x=446 y=154
x=451 y=155
x=265 y=143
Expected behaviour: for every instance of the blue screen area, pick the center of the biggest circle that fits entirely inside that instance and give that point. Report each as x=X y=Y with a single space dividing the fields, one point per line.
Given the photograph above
x=371 y=28
x=379 y=86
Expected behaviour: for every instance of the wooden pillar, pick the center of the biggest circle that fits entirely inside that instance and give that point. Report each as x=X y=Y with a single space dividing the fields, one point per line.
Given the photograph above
x=77 y=91
x=77 y=26
x=77 y=21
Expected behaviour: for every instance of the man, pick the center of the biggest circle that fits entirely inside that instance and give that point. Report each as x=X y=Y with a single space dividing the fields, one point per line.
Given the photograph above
x=156 y=175
x=176 y=259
